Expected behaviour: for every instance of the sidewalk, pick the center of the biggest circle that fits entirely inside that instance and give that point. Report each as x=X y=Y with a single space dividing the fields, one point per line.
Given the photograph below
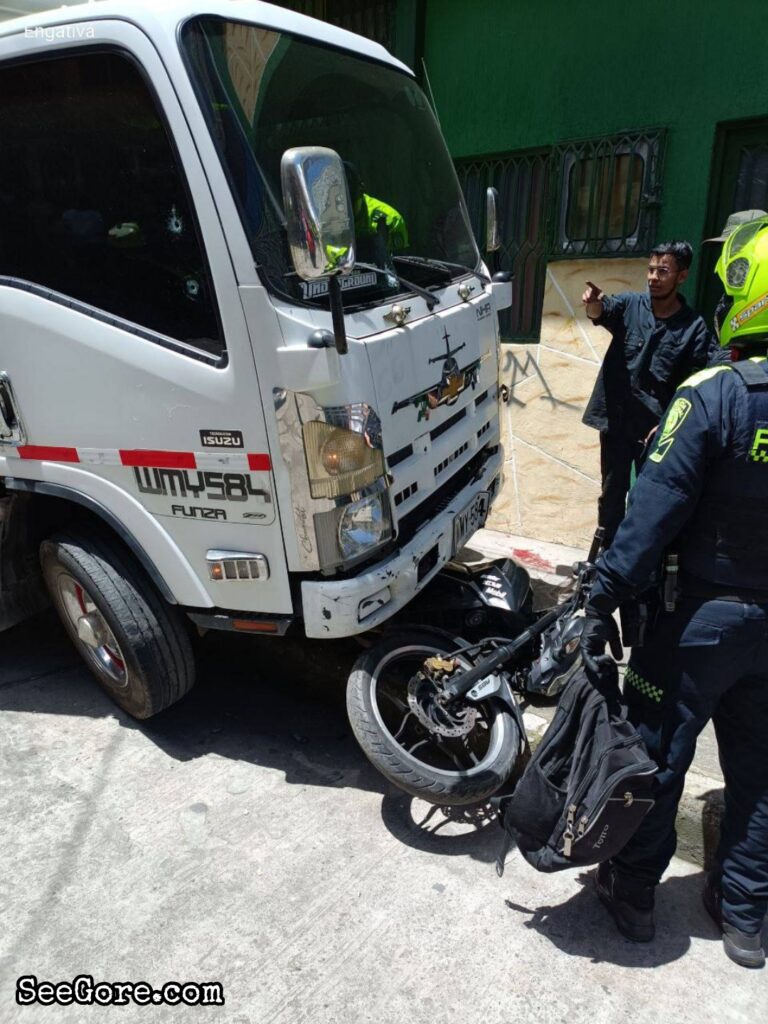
x=701 y=807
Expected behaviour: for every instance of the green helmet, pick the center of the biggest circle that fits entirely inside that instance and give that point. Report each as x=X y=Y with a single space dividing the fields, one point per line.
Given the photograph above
x=741 y=319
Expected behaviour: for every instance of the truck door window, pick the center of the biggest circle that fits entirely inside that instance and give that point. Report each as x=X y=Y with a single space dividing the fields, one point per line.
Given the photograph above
x=92 y=202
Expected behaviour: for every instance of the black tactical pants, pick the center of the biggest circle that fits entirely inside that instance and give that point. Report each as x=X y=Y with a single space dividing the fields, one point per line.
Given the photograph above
x=708 y=659
x=620 y=450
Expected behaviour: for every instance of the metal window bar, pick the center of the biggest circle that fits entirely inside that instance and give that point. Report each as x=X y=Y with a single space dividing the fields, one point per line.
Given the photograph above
x=595 y=166
x=523 y=183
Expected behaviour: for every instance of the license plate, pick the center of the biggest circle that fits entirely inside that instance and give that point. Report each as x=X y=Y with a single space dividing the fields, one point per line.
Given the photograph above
x=471 y=518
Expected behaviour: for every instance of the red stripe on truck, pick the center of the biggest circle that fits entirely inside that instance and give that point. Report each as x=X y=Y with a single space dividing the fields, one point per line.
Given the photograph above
x=48 y=453
x=158 y=460
x=259 y=462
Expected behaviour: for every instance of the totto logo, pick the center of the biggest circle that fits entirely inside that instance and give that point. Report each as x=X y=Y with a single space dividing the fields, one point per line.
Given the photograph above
x=601 y=839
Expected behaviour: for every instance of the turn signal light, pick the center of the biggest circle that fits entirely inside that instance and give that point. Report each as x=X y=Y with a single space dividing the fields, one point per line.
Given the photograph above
x=236 y=565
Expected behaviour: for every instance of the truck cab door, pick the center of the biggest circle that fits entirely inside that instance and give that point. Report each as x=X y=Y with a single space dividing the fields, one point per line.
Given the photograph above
x=124 y=342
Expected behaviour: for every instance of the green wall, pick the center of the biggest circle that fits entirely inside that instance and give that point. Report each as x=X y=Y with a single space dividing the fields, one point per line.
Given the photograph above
x=512 y=74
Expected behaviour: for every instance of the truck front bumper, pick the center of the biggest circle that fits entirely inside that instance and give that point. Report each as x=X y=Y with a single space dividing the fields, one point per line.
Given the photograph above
x=341 y=608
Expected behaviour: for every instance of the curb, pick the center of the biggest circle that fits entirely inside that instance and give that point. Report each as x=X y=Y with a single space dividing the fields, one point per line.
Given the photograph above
x=701 y=805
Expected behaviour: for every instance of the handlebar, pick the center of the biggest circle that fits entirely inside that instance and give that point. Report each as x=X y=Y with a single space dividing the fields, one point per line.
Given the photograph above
x=463 y=684
x=583 y=571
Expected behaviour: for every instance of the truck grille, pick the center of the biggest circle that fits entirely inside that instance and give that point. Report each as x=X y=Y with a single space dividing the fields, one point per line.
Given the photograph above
x=406 y=493
x=451 y=458
x=441 y=498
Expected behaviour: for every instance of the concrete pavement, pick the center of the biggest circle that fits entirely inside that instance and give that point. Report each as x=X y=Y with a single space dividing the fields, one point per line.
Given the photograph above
x=242 y=837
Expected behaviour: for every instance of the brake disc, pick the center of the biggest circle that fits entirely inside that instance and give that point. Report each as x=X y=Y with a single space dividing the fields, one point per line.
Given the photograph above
x=436 y=717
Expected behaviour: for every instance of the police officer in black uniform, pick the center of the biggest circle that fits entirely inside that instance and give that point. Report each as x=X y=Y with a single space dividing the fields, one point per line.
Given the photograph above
x=702 y=495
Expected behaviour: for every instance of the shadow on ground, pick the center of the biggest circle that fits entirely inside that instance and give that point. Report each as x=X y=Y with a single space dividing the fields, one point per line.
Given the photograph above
x=273 y=703
x=582 y=927
x=276 y=704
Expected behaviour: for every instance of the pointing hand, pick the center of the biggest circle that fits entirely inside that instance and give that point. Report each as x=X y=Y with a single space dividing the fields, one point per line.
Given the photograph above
x=592 y=294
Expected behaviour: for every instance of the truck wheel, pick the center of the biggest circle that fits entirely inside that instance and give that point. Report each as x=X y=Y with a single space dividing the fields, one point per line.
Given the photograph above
x=135 y=644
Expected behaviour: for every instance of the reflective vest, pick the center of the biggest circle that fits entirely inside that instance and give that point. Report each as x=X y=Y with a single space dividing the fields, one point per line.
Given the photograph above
x=726 y=540
x=374 y=213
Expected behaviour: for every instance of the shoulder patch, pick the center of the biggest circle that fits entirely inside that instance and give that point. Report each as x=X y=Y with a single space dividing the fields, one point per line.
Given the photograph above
x=672 y=423
x=702 y=375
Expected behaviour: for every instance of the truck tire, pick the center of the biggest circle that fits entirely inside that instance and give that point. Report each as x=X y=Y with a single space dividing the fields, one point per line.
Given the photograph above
x=418 y=761
x=136 y=645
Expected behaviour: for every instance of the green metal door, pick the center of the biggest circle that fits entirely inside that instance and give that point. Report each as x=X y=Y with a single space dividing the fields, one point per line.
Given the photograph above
x=739 y=182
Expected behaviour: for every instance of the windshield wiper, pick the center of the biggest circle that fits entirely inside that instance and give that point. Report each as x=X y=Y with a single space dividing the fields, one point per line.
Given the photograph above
x=444 y=265
x=429 y=297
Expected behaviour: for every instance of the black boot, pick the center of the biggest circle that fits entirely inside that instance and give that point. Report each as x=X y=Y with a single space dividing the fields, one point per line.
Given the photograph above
x=744 y=949
x=631 y=905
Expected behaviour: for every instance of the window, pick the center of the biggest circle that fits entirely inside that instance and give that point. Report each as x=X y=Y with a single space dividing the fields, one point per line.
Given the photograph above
x=608 y=195
x=92 y=204
x=595 y=198
x=522 y=181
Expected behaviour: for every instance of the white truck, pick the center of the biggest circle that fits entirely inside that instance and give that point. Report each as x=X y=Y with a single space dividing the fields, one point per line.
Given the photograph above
x=248 y=347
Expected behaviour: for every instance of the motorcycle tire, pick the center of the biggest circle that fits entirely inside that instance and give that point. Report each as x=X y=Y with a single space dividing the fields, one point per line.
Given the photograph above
x=427 y=764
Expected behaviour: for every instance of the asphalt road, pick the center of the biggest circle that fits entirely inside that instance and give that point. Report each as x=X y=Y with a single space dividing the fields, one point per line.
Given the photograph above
x=241 y=837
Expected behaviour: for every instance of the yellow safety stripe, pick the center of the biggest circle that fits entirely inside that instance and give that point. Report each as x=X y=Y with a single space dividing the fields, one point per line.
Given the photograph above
x=700 y=376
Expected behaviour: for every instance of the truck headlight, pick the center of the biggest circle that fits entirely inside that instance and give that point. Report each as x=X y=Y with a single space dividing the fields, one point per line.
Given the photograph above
x=343 y=452
x=362 y=525
x=351 y=531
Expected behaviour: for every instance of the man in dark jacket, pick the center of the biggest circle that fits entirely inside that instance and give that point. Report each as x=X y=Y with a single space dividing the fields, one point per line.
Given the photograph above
x=657 y=341
x=702 y=494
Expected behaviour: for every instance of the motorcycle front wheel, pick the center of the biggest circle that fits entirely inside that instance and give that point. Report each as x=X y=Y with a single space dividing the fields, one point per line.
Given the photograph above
x=456 y=755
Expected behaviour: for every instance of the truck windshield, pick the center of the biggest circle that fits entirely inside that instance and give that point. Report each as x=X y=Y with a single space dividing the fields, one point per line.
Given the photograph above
x=264 y=92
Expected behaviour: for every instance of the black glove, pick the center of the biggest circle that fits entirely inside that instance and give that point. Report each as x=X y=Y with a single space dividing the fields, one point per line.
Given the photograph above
x=603 y=674
x=598 y=631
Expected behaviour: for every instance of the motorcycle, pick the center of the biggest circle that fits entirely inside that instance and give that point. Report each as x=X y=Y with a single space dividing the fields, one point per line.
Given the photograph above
x=437 y=714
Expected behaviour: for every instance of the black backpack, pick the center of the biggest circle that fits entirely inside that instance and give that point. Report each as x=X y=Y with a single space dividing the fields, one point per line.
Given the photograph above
x=587 y=787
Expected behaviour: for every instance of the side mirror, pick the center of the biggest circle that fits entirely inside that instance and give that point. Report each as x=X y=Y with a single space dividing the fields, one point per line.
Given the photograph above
x=318 y=209
x=492 y=239
x=501 y=289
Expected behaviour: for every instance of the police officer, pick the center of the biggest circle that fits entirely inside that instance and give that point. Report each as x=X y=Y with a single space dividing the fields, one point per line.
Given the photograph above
x=703 y=494
x=374 y=217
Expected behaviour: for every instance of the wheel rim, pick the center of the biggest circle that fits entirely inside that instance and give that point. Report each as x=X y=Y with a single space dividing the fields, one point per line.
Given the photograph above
x=94 y=637
x=464 y=756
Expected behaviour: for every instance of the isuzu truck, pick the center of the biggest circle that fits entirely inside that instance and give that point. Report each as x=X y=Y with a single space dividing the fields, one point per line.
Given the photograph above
x=249 y=370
